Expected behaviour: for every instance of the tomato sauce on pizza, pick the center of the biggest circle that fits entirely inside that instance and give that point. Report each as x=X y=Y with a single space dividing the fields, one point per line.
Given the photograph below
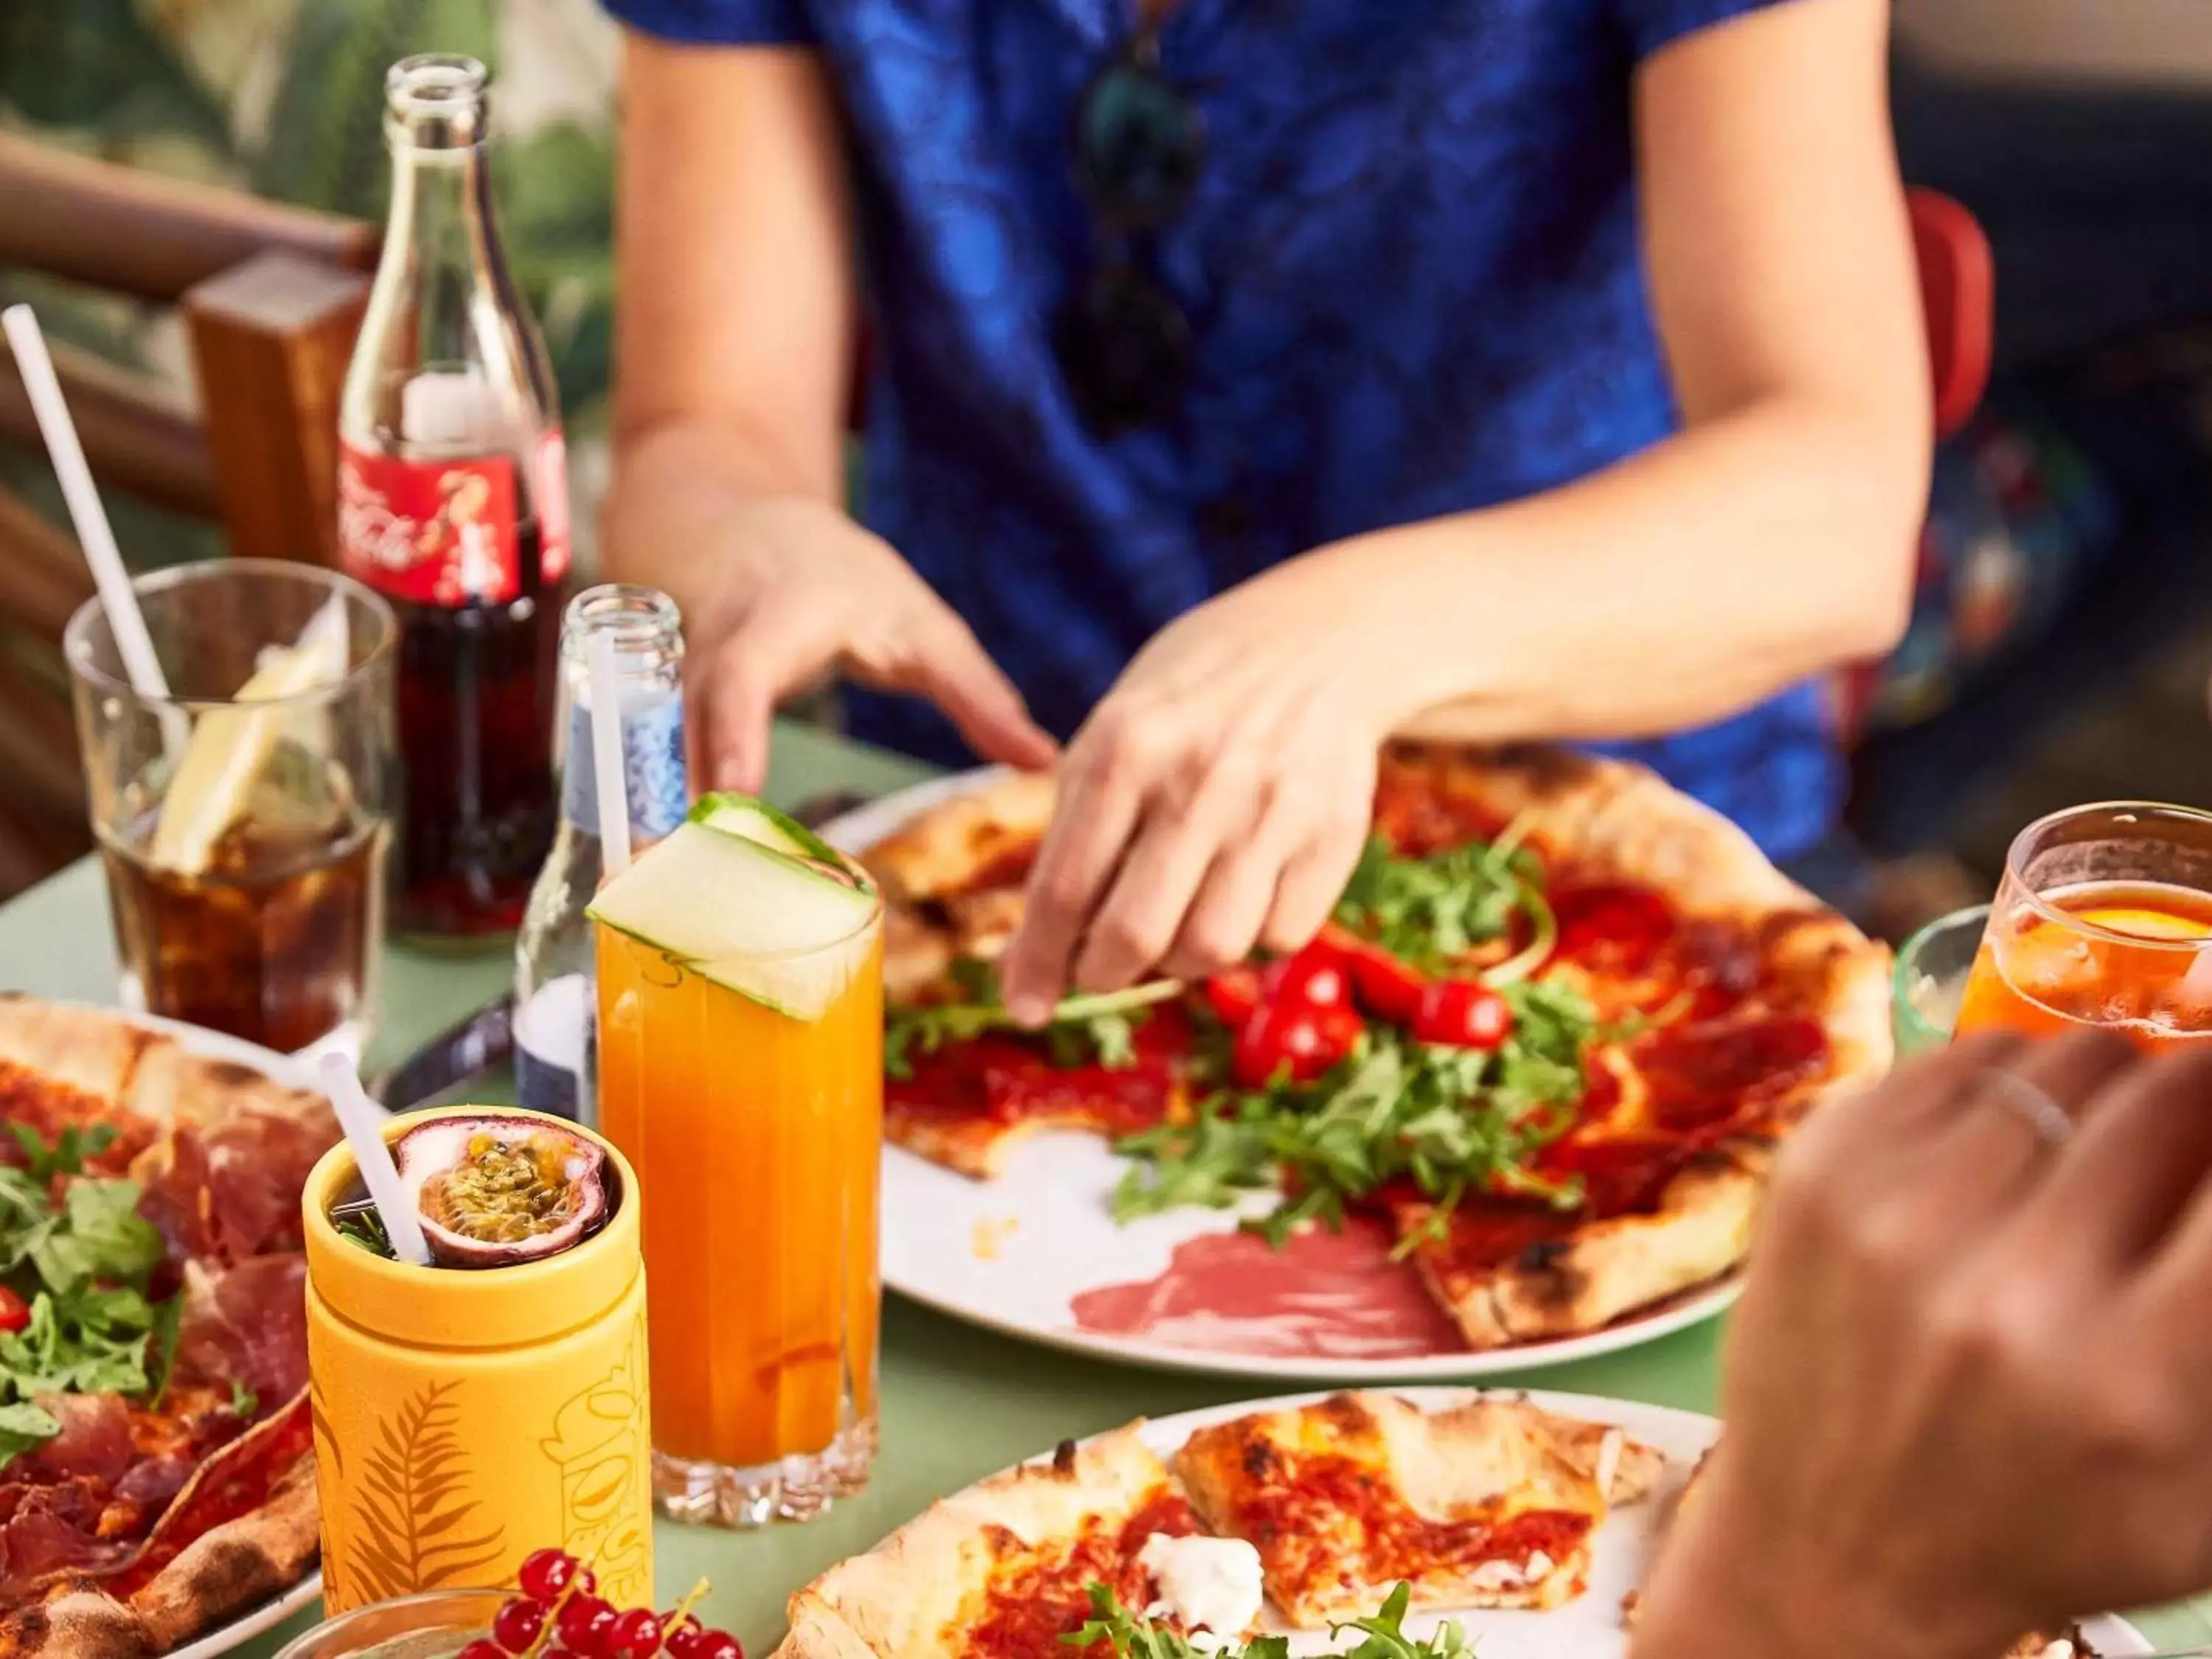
x=1034 y=1597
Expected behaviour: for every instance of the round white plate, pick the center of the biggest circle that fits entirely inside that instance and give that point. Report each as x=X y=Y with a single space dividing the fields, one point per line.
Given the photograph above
x=1588 y=1627
x=267 y=1616
x=1015 y=1254
x=284 y=1068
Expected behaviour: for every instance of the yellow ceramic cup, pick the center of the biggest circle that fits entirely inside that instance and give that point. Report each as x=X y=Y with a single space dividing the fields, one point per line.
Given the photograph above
x=464 y=1418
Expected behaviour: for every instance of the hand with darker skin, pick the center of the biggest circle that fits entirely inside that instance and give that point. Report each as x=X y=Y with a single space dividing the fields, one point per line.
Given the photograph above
x=1966 y=1387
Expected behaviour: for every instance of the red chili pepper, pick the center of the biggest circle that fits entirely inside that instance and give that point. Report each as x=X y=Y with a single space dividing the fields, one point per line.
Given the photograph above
x=14 y=1312
x=1317 y=976
x=1233 y=994
x=1302 y=1043
x=1387 y=985
x=1462 y=1013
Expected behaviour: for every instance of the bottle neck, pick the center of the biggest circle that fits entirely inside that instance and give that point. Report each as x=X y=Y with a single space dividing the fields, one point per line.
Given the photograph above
x=648 y=650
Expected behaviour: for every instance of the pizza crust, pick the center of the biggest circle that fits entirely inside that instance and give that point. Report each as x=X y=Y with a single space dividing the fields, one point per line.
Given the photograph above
x=902 y=1598
x=236 y=1565
x=87 y=1050
x=1619 y=820
x=940 y=850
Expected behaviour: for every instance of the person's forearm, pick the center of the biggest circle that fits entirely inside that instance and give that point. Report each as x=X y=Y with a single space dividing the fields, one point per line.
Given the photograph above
x=1675 y=588
x=677 y=485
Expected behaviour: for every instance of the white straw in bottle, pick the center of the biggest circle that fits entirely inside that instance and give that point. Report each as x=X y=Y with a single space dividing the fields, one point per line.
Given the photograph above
x=607 y=751
x=362 y=1122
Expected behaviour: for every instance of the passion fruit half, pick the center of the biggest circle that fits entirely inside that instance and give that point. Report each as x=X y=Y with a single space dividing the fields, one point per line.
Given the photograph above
x=493 y=1191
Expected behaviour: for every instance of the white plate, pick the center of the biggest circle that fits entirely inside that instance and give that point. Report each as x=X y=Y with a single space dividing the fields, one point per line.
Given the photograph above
x=1014 y=1255
x=215 y=1045
x=1588 y=1627
x=267 y=1616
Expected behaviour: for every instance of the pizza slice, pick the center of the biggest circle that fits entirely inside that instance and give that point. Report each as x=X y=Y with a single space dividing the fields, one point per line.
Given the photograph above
x=1003 y=1570
x=1489 y=1504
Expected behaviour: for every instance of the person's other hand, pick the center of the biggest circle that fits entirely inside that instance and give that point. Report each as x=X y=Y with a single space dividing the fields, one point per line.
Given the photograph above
x=1216 y=798
x=803 y=591
x=1965 y=1389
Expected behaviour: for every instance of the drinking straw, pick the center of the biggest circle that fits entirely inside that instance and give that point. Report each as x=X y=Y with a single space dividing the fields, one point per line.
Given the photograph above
x=401 y=1224
x=94 y=532
x=607 y=752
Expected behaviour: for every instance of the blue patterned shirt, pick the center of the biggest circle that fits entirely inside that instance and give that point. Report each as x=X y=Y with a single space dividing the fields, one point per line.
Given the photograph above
x=1412 y=274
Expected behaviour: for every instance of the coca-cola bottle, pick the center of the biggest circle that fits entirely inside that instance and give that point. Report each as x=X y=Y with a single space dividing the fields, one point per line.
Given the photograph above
x=454 y=504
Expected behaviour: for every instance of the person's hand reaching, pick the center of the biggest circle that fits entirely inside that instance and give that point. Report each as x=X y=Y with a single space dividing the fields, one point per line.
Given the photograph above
x=1966 y=1389
x=1218 y=797
x=805 y=592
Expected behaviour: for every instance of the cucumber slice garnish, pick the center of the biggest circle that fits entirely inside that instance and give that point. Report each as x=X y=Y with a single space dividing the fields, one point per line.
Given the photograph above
x=733 y=814
x=787 y=930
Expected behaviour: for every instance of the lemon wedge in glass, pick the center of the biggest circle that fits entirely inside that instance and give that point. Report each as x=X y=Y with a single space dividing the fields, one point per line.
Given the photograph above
x=230 y=745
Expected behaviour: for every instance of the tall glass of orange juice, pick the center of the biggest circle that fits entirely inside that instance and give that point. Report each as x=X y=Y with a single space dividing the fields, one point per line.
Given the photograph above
x=2104 y=918
x=740 y=1057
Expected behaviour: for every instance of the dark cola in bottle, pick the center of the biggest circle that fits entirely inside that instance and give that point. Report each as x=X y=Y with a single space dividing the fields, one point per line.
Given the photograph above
x=453 y=503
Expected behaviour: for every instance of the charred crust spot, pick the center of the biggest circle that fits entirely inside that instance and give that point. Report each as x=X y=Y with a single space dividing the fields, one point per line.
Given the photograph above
x=1542 y=1256
x=229 y=1074
x=1063 y=1459
x=1259 y=1459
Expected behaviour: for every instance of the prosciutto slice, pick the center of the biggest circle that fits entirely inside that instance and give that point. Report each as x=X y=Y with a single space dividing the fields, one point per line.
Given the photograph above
x=95 y=1441
x=247 y=1325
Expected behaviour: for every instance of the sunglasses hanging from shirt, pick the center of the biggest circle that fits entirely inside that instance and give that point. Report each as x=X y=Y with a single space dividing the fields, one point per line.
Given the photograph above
x=1123 y=341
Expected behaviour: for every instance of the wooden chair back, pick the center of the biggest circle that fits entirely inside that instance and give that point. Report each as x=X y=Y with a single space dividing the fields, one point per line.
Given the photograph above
x=270 y=297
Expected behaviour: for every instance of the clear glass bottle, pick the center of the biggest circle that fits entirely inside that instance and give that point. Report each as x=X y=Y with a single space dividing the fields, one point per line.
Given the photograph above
x=554 y=995
x=453 y=503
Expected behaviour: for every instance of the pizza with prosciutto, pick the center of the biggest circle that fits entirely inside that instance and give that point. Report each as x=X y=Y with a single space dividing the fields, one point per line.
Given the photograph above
x=1550 y=1039
x=156 y=1467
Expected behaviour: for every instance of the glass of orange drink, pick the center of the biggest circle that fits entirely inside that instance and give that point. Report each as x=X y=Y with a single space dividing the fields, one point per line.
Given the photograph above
x=2104 y=918
x=741 y=1070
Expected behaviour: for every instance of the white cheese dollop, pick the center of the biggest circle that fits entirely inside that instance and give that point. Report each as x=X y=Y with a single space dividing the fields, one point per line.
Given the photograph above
x=1209 y=1583
x=2061 y=1648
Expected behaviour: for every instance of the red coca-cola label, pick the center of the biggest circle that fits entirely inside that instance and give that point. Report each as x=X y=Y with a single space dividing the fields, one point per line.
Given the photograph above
x=434 y=533
x=550 y=474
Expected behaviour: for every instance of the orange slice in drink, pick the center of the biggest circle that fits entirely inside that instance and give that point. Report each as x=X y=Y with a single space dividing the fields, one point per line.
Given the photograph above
x=2147 y=924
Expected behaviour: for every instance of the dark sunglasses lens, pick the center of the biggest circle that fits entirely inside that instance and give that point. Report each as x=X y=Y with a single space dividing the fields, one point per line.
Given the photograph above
x=1124 y=347
x=1139 y=147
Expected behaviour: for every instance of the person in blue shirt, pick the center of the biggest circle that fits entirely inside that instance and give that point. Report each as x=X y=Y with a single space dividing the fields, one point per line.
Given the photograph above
x=1246 y=381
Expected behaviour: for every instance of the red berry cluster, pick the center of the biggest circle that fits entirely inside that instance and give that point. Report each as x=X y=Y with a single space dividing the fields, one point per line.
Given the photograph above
x=560 y=1615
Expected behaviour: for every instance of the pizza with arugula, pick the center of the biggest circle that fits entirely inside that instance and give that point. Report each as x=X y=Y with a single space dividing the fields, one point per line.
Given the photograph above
x=1560 y=1018
x=157 y=1466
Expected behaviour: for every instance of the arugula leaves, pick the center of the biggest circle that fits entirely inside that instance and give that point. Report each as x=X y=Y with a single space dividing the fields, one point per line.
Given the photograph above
x=72 y=1147
x=82 y=1262
x=1382 y=1635
x=25 y=1427
x=1431 y=910
x=1098 y=1030
x=1453 y=1121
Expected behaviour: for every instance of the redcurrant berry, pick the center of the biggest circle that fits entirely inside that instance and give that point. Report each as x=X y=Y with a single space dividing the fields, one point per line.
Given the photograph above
x=517 y=1624
x=545 y=1574
x=719 y=1644
x=480 y=1649
x=680 y=1637
x=636 y=1635
x=585 y=1623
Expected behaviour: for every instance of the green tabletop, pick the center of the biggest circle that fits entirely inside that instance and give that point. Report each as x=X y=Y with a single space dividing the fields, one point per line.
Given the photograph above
x=957 y=1402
